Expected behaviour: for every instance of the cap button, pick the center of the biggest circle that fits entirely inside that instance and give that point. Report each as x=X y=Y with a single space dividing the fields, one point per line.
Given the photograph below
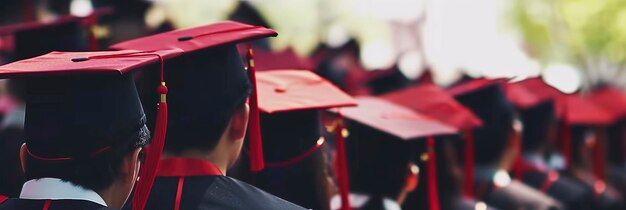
x=280 y=89
x=79 y=59
x=185 y=38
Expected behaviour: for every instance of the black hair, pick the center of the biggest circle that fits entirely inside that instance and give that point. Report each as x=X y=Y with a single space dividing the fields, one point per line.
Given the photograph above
x=491 y=105
x=578 y=140
x=95 y=172
x=615 y=138
x=537 y=122
x=378 y=163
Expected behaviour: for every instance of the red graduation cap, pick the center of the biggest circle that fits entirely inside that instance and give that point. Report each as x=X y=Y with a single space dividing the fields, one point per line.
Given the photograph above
x=611 y=99
x=435 y=102
x=292 y=90
x=405 y=124
x=285 y=59
x=285 y=92
x=74 y=90
x=206 y=37
x=473 y=85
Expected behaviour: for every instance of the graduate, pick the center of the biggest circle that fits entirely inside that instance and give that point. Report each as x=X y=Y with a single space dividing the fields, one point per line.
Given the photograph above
x=28 y=40
x=85 y=132
x=208 y=119
x=495 y=146
x=296 y=165
x=538 y=117
x=455 y=187
x=383 y=143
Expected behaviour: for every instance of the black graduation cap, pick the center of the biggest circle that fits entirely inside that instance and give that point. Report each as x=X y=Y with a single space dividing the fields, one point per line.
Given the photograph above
x=208 y=80
x=80 y=105
x=488 y=101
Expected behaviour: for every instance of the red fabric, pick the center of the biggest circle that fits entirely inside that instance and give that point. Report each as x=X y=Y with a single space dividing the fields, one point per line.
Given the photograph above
x=254 y=127
x=149 y=168
x=341 y=167
x=553 y=176
x=296 y=159
x=521 y=97
x=203 y=37
x=436 y=103
x=187 y=167
x=611 y=99
x=579 y=111
x=394 y=119
x=292 y=90
x=433 y=192
x=33 y=24
x=46 y=204
x=469 y=163
x=60 y=63
x=286 y=59
x=3 y=199
x=179 y=192
x=474 y=85
x=599 y=167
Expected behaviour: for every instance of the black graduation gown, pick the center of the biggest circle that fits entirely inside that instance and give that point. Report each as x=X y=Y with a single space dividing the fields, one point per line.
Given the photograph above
x=203 y=187
x=571 y=193
x=28 y=204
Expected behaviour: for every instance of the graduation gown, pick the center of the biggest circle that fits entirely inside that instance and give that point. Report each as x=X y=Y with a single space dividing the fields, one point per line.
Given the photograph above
x=365 y=202
x=188 y=184
x=29 y=204
x=571 y=193
x=514 y=195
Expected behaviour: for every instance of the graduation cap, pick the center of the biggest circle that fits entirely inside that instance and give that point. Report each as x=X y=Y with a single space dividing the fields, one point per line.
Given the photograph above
x=65 y=33
x=435 y=102
x=210 y=62
x=403 y=125
x=80 y=105
x=290 y=101
x=611 y=99
x=487 y=100
x=285 y=59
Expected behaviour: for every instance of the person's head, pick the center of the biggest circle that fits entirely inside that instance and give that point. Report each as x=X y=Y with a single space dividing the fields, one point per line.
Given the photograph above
x=379 y=164
x=86 y=130
x=539 y=125
x=490 y=104
x=207 y=102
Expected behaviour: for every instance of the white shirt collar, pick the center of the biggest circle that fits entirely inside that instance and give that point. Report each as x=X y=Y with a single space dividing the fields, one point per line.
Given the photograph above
x=57 y=189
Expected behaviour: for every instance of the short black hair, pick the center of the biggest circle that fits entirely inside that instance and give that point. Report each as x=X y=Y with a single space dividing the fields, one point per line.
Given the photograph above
x=96 y=172
x=537 y=122
x=378 y=163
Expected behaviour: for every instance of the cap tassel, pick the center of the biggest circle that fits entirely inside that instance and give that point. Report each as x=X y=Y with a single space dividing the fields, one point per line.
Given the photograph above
x=469 y=163
x=93 y=40
x=598 y=156
x=257 y=162
x=153 y=151
x=518 y=169
x=431 y=165
x=341 y=165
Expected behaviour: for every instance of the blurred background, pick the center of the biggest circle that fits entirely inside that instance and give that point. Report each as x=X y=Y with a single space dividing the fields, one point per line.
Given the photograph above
x=573 y=44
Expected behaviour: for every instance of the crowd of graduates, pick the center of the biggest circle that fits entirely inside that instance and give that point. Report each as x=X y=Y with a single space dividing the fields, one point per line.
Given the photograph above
x=210 y=117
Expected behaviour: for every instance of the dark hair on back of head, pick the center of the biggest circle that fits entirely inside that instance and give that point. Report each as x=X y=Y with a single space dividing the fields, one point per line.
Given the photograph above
x=95 y=173
x=378 y=163
x=537 y=122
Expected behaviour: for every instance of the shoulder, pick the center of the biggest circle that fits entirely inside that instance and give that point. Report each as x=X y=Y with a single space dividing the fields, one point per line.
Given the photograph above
x=248 y=195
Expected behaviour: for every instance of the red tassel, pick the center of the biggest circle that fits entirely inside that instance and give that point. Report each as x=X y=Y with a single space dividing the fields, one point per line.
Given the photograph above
x=469 y=163
x=257 y=162
x=518 y=167
x=341 y=166
x=153 y=151
x=598 y=156
x=433 y=192
x=566 y=140
x=3 y=199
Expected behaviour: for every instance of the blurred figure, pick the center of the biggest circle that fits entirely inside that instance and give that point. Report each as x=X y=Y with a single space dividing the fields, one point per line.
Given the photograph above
x=496 y=151
x=384 y=141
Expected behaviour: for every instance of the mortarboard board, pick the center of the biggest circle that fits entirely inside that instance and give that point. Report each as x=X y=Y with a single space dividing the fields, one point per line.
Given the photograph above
x=210 y=54
x=403 y=125
x=437 y=103
x=285 y=59
x=290 y=101
x=611 y=99
x=71 y=97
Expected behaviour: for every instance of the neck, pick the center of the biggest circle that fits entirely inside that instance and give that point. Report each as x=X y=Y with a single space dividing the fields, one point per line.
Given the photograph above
x=213 y=157
x=109 y=197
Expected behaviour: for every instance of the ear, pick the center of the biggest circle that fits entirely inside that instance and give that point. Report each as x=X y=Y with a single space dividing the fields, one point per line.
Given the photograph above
x=412 y=179
x=23 y=156
x=130 y=167
x=239 y=123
